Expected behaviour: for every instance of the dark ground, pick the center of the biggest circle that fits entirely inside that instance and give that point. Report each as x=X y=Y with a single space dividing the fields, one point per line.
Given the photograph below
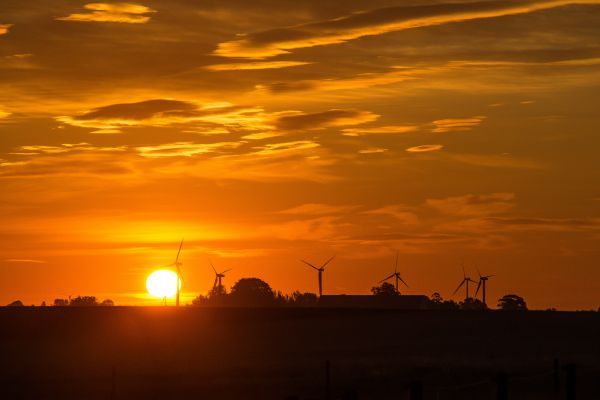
x=204 y=353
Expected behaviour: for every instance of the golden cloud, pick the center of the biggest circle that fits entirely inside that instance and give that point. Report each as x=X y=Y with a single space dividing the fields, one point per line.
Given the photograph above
x=377 y=130
x=184 y=149
x=376 y=22
x=425 y=148
x=456 y=124
x=130 y=13
x=470 y=205
x=4 y=28
x=372 y=150
x=256 y=65
x=324 y=119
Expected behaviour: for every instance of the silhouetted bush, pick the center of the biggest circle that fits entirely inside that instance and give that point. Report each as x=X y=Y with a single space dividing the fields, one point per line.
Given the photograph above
x=61 y=302
x=472 y=304
x=385 y=289
x=251 y=292
x=83 y=301
x=303 y=299
x=16 y=303
x=512 y=302
x=107 y=303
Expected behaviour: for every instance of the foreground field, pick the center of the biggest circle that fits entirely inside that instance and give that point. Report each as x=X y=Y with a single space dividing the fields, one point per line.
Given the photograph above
x=203 y=353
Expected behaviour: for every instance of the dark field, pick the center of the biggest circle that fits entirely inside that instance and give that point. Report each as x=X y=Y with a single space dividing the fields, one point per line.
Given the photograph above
x=203 y=353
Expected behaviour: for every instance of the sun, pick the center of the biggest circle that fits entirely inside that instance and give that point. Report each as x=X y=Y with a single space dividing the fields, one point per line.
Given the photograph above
x=162 y=283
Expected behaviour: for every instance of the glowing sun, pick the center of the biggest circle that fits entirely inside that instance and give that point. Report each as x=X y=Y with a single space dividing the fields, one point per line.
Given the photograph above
x=162 y=283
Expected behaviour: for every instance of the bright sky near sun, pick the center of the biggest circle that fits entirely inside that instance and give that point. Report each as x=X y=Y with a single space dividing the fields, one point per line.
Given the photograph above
x=267 y=131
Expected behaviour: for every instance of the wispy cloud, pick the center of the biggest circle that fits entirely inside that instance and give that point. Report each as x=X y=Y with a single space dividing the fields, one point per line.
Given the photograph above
x=425 y=148
x=379 y=130
x=317 y=209
x=474 y=205
x=324 y=119
x=376 y=22
x=4 y=28
x=456 y=124
x=17 y=260
x=130 y=13
x=373 y=150
x=256 y=65
x=184 y=149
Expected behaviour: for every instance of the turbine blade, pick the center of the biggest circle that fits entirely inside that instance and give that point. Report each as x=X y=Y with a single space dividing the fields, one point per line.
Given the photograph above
x=213 y=267
x=216 y=280
x=489 y=276
x=179 y=251
x=478 y=272
x=478 y=286
x=391 y=276
x=459 y=286
x=309 y=264
x=396 y=267
x=464 y=273
x=327 y=262
x=227 y=270
x=402 y=280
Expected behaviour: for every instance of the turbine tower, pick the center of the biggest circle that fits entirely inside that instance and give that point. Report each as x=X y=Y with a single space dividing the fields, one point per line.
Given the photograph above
x=218 y=277
x=320 y=271
x=396 y=275
x=482 y=281
x=465 y=282
x=177 y=264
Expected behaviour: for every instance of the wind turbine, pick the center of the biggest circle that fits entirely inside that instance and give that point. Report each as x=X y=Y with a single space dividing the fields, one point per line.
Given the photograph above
x=218 y=277
x=396 y=275
x=482 y=281
x=320 y=270
x=466 y=281
x=177 y=264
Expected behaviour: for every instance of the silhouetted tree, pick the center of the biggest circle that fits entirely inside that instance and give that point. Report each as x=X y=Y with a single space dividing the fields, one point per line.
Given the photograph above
x=83 y=301
x=472 y=304
x=43 y=304
x=385 y=289
x=200 y=300
x=61 y=302
x=251 y=292
x=512 y=302
x=217 y=291
x=303 y=299
x=16 y=303
x=107 y=303
x=436 y=298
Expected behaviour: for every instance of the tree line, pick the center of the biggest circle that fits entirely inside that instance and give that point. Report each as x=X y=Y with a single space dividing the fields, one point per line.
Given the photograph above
x=255 y=292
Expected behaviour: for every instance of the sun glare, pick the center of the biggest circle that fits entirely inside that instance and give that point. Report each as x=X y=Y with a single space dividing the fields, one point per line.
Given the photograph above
x=162 y=283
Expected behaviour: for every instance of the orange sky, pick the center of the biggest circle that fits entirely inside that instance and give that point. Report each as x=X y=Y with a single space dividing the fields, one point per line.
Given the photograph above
x=267 y=131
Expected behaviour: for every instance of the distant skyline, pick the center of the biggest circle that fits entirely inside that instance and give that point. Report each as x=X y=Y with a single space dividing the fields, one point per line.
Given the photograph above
x=272 y=131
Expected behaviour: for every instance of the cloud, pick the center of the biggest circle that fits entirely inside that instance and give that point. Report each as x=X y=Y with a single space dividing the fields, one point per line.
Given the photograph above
x=4 y=28
x=456 y=124
x=184 y=149
x=255 y=65
x=130 y=13
x=373 y=150
x=286 y=147
x=324 y=119
x=4 y=114
x=65 y=148
x=473 y=205
x=278 y=41
x=168 y=112
x=495 y=161
x=379 y=130
x=317 y=209
x=425 y=148
x=17 y=260
x=400 y=214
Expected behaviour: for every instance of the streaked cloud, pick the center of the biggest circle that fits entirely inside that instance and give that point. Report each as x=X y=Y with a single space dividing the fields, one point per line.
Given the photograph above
x=425 y=148
x=65 y=148
x=4 y=28
x=317 y=209
x=286 y=147
x=26 y=261
x=274 y=42
x=184 y=149
x=373 y=150
x=256 y=65
x=130 y=13
x=456 y=124
x=379 y=130
x=324 y=119
x=474 y=205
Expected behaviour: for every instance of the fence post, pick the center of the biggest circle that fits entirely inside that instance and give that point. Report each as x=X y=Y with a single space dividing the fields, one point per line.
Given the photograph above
x=502 y=386
x=556 y=376
x=416 y=390
x=571 y=382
